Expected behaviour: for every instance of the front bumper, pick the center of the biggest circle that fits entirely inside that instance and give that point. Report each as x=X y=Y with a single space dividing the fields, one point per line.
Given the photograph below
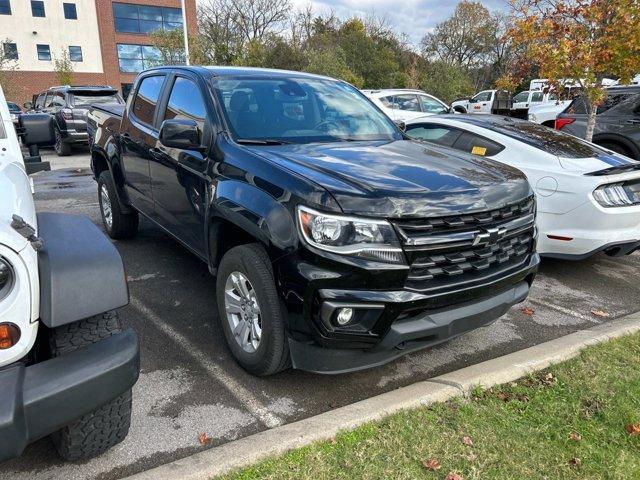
x=39 y=399
x=409 y=321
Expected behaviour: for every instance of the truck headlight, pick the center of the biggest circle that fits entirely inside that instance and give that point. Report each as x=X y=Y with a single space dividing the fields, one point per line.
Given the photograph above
x=622 y=194
x=356 y=237
x=6 y=277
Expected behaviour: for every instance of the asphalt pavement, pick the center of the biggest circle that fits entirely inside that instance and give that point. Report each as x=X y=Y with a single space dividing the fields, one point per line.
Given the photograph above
x=189 y=383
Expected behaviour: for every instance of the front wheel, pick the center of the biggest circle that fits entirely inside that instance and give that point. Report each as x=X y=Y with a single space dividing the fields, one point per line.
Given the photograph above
x=106 y=426
x=251 y=313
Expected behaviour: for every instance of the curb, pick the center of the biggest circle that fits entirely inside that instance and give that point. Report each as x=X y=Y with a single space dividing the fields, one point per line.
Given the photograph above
x=252 y=449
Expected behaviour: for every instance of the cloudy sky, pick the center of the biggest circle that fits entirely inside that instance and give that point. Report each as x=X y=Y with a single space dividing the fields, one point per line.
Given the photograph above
x=413 y=17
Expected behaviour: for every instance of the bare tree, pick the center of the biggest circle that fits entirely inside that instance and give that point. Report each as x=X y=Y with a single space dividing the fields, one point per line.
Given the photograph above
x=253 y=19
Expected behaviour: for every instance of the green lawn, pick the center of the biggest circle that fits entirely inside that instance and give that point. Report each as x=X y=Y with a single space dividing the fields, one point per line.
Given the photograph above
x=566 y=422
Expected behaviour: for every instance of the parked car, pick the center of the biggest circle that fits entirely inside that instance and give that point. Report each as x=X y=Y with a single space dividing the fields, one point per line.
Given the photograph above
x=337 y=244
x=14 y=111
x=66 y=366
x=69 y=106
x=497 y=102
x=588 y=197
x=617 y=120
x=404 y=104
x=547 y=112
x=527 y=99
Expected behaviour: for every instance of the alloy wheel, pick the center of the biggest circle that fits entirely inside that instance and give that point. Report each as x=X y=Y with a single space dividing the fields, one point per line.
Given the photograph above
x=243 y=311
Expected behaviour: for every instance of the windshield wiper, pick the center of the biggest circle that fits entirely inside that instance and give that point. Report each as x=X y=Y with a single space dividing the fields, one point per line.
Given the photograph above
x=261 y=141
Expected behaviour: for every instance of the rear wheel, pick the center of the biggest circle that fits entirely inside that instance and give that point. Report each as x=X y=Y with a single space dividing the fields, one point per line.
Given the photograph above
x=62 y=149
x=252 y=316
x=106 y=426
x=117 y=223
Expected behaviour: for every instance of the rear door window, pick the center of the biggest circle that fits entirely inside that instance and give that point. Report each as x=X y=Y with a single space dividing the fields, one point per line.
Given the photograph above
x=477 y=145
x=431 y=132
x=146 y=99
x=406 y=102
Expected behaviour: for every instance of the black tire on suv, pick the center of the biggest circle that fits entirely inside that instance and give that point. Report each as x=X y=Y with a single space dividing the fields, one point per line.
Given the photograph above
x=108 y=425
x=250 y=266
x=118 y=224
x=62 y=149
x=616 y=147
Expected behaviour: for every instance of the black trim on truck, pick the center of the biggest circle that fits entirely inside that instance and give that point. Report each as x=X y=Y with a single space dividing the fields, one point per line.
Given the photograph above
x=39 y=399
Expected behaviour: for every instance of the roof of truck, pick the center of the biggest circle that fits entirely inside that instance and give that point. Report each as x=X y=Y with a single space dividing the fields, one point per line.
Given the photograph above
x=226 y=71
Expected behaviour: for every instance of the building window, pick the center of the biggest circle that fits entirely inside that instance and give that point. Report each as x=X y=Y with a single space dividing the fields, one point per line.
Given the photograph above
x=44 y=52
x=5 y=7
x=135 y=58
x=131 y=18
x=10 y=51
x=37 y=8
x=75 y=53
x=70 y=12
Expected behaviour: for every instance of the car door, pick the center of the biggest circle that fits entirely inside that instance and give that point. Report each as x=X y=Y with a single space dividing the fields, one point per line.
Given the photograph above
x=138 y=135
x=481 y=103
x=178 y=176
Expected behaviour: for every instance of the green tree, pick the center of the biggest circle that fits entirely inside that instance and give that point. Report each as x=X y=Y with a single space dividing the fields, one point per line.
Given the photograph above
x=447 y=82
x=332 y=63
x=63 y=67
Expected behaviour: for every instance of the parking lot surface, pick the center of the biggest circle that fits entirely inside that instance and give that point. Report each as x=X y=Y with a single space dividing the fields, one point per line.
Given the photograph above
x=189 y=383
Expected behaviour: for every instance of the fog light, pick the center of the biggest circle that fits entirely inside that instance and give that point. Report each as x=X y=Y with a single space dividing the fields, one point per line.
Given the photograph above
x=9 y=335
x=344 y=316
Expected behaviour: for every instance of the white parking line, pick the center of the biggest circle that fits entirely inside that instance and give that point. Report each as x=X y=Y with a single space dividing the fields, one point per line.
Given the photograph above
x=561 y=309
x=248 y=400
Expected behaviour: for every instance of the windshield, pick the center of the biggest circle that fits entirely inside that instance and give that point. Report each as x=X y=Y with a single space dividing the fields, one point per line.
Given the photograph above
x=87 y=99
x=300 y=110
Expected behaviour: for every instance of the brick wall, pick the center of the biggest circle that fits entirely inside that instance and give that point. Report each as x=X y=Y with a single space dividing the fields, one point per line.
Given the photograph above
x=23 y=85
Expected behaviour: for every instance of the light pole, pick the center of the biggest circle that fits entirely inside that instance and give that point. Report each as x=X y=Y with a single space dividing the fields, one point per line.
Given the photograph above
x=185 y=33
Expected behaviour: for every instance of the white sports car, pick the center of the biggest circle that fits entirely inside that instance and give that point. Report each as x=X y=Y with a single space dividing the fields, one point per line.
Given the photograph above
x=588 y=197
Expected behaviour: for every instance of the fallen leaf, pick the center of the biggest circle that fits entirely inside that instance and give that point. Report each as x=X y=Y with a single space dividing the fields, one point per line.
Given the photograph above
x=575 y=461
x=633 y=429
x=575 y=436
x=453 y=476
x=600 y=313
x=467 y=441
x=204 y=439
x=333 y=440
x=432 y=464
x=527 y=310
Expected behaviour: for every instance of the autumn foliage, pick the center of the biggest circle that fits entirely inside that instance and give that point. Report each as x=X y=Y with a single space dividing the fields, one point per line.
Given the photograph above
x=581 y=40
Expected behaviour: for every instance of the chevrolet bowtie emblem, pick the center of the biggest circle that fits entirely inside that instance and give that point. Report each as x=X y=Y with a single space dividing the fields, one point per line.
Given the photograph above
x=490 y=236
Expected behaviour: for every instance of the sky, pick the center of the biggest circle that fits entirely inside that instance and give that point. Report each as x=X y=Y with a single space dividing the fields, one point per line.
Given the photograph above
x=412 y=17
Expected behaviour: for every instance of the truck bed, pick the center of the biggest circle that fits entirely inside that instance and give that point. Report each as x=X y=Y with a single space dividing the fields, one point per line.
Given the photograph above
x=115 y=109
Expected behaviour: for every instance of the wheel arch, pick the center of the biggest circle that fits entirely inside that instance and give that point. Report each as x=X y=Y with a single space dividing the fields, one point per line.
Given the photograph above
x=612 y=138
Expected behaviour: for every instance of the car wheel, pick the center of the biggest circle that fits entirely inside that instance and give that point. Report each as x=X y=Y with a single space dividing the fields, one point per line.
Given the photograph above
x=62 y=149
x=251 y=313
x=615 y=147
x=117 y=224
x=106 y=426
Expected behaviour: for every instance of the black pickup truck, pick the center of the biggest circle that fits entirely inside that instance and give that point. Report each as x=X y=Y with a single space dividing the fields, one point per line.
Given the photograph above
x=338 y=244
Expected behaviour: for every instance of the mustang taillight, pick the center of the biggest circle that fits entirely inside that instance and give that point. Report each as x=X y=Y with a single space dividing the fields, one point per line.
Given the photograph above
x=560 y=123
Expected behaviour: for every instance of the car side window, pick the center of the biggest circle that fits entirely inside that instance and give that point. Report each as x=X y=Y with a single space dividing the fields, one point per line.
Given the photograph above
x=537 y=96
x=186 y=102
x=39 y=101
x=146 y=98
x=406 y=102
x=431 y=132
x=521 y=97
x=58 y=100
x=387 y=101
x=472 y=143
x=48 y=101
x=431 y=105
x=483 y=97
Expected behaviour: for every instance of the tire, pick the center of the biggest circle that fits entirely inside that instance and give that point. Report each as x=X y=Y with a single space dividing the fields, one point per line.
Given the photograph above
x=272 y=352
x=106 y=426
x=117 y=224
x=62 y=149
x=616 y=147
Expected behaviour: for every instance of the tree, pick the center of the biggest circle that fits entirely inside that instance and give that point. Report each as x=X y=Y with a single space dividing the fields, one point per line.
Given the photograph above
x=447 y=82
x=464 y=39
x=63 y=67
x=582 y=41
x=253 y=19
x=332 y=63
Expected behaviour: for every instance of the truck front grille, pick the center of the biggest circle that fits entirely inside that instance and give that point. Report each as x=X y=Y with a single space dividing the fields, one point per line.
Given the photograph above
x=453 y=252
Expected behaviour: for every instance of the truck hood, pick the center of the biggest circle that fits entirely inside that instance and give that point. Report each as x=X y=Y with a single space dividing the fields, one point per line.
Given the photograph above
x=402 y=178
x=15 y=198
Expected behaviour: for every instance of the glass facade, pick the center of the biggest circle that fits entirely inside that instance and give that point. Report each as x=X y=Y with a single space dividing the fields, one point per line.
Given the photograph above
x=135 y=58
x=131 y=18
x=70 y=12
x=75 y=53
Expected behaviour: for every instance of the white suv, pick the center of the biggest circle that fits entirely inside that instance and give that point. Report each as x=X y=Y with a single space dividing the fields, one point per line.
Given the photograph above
x=66 y=366
x=402 y=105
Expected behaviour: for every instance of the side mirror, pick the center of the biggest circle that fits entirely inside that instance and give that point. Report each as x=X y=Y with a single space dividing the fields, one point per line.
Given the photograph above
x=401 y=125
x=27 y=105
x=182 y=134
x=37 y=129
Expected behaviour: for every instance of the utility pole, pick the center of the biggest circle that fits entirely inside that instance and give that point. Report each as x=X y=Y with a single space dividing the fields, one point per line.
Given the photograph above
x=185 y=33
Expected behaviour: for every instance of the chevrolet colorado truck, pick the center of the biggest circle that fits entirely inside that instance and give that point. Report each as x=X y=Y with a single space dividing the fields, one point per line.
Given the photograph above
x=66 y=365
x=337 y=243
